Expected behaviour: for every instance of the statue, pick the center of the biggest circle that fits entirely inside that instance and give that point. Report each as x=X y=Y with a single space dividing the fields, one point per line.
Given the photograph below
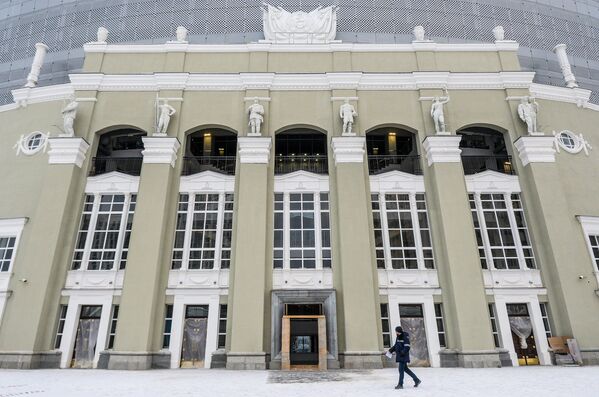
x=165 y=111
x=528 y=110
x=256 y=118
x=69 y=113
x=499 y=33
x=418 y=33
x=438 y=114
x=347 y=112
x=316 y=26
x=102 y=34
x=181 y=34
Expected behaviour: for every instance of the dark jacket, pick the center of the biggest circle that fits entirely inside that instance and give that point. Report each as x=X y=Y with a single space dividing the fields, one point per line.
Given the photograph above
x=401 y=348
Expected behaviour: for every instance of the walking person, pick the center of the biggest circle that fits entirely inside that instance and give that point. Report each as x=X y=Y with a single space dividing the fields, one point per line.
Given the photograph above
x=402 y=356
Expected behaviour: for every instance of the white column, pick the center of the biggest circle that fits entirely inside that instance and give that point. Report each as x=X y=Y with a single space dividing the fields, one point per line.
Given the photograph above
x=538 y=329
x=432 y=332
x=212 y=331
x=36 y=66
x=503 y=322
x=69 y=332
x=103 y=328
x=177 y=330
x=564 y=63
x=394 y=319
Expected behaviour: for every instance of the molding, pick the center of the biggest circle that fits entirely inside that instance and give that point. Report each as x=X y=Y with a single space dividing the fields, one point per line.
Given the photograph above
x=578 y=96
x=348 y=149
x=301 y=181
x=302 y=279
x=205 y=279
x=94 y=279
x=112 y=182
x=254 y=150
x=505 y=45
x=492 y=181
x=160 y=150
x=528 y=278
x=396 y=181
x=26 y=96
x=12 y=226
x=590 y=224
x=406 y=278
x=67 y=150
x=536 y=149
x=442 y=149
x=207 y=181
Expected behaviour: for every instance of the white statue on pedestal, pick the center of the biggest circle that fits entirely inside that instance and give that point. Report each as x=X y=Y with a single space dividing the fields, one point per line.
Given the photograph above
x=528 y=110
x=499 y=33
x=347 y=112
x=316 y=26
x=181 y=34
x=256 y=118
x=438 y=113
x=419 y=33
x=102 y=34
x=69 y=113
x=165 y=111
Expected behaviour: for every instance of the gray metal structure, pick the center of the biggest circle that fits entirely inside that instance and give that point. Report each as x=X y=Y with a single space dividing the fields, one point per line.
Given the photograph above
x=65 y=25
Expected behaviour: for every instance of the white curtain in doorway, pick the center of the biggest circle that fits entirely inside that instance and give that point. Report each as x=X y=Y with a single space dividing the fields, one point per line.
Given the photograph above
x=522 y=327
x=194 y=341
x=85 y=344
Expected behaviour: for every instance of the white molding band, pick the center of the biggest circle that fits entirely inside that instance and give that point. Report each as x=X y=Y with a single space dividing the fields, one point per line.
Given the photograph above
x=301 y=181
x=112 y=182
x=160 y=150
x=12 y=226
x=506 y=45
x=442 y=149
x=492 y=181
x=254 y=150
x=536 y=149
x=67 y=150
x=25 y=96
x=590 y=224
x=396 y=181
x=348 y=149
x=207 y=181
x=578 y=96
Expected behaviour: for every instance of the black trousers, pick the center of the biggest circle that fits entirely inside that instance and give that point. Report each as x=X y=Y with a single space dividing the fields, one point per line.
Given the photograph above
x=403 y=368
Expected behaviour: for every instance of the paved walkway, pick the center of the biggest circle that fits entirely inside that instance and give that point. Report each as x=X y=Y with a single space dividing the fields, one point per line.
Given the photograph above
x=437 y=382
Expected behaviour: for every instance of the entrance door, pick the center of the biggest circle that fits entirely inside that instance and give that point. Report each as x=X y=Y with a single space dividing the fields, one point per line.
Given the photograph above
x=87 y=337
x=304 y=341
x=522 y=335
x=195 y=329
x=412 y=322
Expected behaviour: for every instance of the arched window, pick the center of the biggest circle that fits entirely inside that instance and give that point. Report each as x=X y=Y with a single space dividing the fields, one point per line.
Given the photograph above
x=301 y=149
x=210 y=149
x=392 y=149
x=484 y=149
x=120 y=151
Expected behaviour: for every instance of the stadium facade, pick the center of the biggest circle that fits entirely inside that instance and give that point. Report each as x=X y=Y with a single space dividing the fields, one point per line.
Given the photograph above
x=281 y=189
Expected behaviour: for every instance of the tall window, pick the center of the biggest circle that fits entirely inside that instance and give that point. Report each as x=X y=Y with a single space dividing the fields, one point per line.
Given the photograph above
x=168 y=324
x=7 y=247
x=62 y=315
x=494 y=328
x=104 y=232
x=402 y=231
x=222 y=326
x=593 y=241
x=501 y=231
x=302 y=231
x=440 y=324
x=385 y=325
x=203 y=232
x=545 y=317
x=113 y=320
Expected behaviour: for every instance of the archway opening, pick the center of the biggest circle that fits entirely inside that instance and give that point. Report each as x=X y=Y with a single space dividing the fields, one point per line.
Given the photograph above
x=301 y=149
x=119 y=150
x=392 y=149
x=484 y=149
x=210 y=149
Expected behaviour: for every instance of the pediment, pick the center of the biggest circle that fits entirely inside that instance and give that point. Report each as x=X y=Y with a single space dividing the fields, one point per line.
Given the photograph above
x=302 y=180
x=112 y=182
x=207 y=181
x=396 y=181
x=492 y=181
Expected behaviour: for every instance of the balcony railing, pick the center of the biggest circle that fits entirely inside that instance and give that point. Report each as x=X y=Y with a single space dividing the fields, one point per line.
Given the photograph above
x=380 y=164
x=311 y=163
x=126 y=165
x=221 y=164
x=476 y=164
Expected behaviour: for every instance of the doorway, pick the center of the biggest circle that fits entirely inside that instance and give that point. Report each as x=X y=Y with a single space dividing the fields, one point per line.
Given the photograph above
x=303 y=338
x=87 y=337
x=195 y=330
x=412 y=321
x=522 y=334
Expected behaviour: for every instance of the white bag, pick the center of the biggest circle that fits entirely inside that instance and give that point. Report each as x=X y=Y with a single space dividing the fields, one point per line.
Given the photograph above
x=388 y=354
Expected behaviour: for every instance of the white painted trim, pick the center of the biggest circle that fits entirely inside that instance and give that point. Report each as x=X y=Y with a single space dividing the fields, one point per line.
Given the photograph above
x=495 y=279
x=348 y=149
x=11 y=227
x=492 y=181
x=112 y=182
x=300 y=181
x=176 y=341
x=408 y=278
x=442 y=149
x=425 y=298
x=318 y=278
x=396 y=181
x=160 y=150
x=590 y=226
x=578 y=96
x=505 y=45
x=67 y=151
x=534 y=311
x=77 y=300
x=536 y=149
x=26 y=96
x=207 y=181
x=254 y=150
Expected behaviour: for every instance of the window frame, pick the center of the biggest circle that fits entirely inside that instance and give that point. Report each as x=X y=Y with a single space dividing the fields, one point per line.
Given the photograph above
x=12 y=228
x=590 y=228
x=416 y=228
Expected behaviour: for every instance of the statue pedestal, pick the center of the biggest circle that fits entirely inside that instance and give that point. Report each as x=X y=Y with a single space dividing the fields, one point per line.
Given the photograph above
x=536 y=149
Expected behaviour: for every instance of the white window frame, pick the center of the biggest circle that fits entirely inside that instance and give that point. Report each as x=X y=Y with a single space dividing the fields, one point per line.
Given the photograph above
x=590 y=227
x=12 y=228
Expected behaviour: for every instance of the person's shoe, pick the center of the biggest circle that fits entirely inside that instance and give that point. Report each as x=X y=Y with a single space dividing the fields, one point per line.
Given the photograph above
x=399 y=387
x=418 y=381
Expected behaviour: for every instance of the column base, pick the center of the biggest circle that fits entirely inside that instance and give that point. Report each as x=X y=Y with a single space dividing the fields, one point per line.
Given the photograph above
x=246 y=361
x=590 y=356
x=361 y=360
x=23 y=360
x=474 y=359
x=134 y=361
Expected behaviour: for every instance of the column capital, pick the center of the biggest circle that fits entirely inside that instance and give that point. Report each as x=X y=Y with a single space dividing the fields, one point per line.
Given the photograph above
x=536 y=149
x=160 y=150
x=254 y=150
x=67 y=151
x=442 y=149
x=348 y=149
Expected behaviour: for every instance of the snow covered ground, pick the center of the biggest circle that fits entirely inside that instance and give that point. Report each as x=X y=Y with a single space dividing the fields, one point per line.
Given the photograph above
x=437 y=382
